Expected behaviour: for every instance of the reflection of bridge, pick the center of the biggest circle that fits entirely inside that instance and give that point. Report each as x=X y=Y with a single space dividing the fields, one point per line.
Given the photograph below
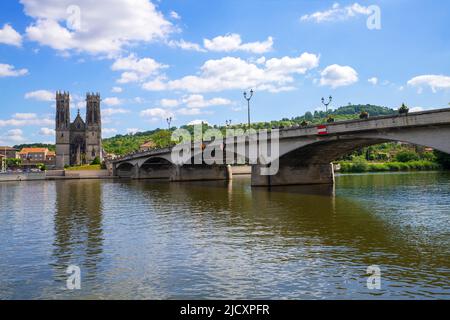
x=305 y=153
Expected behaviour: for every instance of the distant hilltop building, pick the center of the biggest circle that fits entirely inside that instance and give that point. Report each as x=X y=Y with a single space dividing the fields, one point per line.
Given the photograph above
x=78 y=142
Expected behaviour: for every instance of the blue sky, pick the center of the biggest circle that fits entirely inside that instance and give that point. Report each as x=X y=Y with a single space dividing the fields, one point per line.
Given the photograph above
x=191 y=60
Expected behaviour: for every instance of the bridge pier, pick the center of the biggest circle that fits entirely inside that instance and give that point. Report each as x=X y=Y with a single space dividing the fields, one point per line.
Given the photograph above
x=301 y=175
x=201 y=173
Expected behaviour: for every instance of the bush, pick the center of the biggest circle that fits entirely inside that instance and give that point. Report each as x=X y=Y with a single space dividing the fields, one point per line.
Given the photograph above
x=406 y=156
x=96 y=161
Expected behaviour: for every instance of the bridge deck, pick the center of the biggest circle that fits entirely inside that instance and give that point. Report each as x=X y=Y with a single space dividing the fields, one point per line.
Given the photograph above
x=416 y=119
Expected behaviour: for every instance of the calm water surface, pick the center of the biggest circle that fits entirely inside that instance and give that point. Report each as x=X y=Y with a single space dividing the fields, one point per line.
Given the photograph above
x=157 y=240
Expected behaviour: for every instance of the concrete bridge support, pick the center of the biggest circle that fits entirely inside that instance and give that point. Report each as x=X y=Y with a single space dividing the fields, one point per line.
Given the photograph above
x=201 y=173
x=156 y=172
x=298 y=175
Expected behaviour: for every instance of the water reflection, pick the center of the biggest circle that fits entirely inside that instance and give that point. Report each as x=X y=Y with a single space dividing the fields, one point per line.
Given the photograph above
x=78 y=228
x=155 y=240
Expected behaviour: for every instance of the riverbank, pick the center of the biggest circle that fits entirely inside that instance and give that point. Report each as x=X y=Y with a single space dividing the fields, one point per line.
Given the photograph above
x=78 y=174
x=361 y=166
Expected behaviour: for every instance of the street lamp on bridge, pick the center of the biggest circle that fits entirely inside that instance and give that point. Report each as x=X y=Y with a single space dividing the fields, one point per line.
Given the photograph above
x=248 y=98
x=326 y=104
x=169 y=121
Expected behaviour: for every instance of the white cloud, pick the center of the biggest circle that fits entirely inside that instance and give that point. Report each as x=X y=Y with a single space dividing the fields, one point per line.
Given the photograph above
x=26 y=119
x=103 y=26
x=194 y=101
x=136 y=69
x=416 y=109
x=110 y=111
x=117 y=90
x=189 y=111
x=175 y=15
x=435 y=82
x=10 y=36
x=185 y=45
x=112 y=101
x=109 y=131
x=157 y=113
x=338 y=76
x=15 y=136
x=231 y=73
x=233 y=42
x=133 y=130
x=373 y=80
x=169 y=103
x=41 y=95
x=197 y=122
x=337 y=13
x=47 y=132
x=7 y=70
x=25 y=116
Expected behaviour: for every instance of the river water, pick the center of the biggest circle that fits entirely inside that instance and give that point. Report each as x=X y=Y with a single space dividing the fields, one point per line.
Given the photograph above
x=217 y=240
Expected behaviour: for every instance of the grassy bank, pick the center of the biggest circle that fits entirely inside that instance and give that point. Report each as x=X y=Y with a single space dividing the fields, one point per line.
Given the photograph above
x=90 y=167
x=361 y=166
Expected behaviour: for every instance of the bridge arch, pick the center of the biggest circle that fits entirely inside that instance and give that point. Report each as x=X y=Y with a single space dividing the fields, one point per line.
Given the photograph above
x=156 y=168
x=125 y=170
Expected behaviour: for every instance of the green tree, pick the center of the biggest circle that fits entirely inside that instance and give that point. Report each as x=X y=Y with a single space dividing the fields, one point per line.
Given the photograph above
x=406 y=156
x=443 y=159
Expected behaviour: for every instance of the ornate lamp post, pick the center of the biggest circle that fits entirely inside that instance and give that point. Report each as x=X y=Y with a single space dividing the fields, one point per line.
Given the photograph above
x=326 y=104
x=169 y=121
x=228 y=123
x=248 y=98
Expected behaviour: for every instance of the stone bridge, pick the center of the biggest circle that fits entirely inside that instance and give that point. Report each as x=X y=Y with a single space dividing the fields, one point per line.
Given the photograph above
x=304 y=153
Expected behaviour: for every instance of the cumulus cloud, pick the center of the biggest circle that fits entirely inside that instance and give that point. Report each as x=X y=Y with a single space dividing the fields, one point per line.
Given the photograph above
x=10 y=36
x=26 y=119
x=157 y=114
x=117 y=90
x=7 y=70
x=112 y=101
x=133 y=130
x=136 y=69
x=185 y=45
x=96 y=27
x=373 y=80
x=435 y=82
x=47 y=132
x=338 y=76
x=194 y=101
x=337 y=13
x=15 y=135
x=175 y=15
x=234 y=73
x=233 y=42
x=110 y=111
x=197 y=122
x=109 y=131
x=41 y=95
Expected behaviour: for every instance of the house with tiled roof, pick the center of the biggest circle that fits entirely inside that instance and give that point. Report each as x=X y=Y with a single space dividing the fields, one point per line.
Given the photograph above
x=32 y=156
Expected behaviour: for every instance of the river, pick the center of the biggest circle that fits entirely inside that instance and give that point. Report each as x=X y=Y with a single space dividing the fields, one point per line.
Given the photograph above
x=219 y=240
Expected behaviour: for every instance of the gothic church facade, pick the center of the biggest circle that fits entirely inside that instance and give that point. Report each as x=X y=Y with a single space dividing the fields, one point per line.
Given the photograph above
x=78 y=142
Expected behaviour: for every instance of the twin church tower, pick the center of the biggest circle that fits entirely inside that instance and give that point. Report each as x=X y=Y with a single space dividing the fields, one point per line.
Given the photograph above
x=78 y=142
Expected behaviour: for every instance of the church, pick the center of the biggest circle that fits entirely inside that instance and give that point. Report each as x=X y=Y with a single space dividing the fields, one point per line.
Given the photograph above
x=78 y=142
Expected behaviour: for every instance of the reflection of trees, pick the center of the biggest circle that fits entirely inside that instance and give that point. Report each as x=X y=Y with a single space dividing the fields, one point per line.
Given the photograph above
x=78 y=225
x=286 y=216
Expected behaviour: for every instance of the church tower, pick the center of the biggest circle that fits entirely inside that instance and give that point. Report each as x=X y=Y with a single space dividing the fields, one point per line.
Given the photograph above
x=93 y=128
x=62 y=129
